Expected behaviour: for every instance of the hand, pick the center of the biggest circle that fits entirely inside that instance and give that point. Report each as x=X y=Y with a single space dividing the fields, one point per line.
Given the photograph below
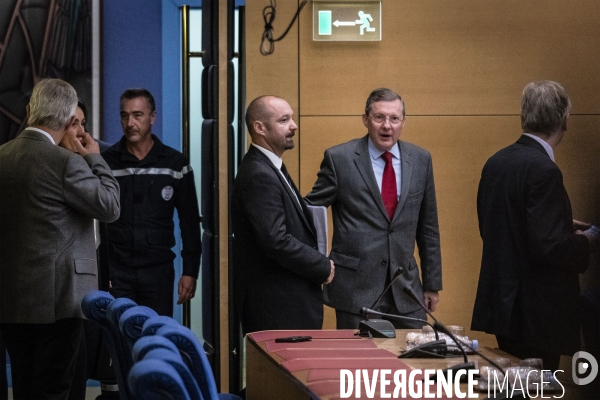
x=87 y=146
x=70 y=140
x=186 y=289
x=331 y=274
x=592 y=239
x=431 y=298
x=580 y=226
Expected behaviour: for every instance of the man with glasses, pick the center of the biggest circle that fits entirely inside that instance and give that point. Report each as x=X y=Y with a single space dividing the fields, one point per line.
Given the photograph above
x=382 y=196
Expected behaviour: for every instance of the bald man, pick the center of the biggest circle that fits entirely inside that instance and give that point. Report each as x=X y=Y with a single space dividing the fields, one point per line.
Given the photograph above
x=278 y=271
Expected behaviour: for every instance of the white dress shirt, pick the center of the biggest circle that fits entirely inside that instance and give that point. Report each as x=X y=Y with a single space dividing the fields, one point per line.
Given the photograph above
x=277 y=162
x=43 y=133
x=546 y=146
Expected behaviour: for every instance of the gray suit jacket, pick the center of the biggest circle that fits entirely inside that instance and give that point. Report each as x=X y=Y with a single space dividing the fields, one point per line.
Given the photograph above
x=366 y=244
x=49 y=199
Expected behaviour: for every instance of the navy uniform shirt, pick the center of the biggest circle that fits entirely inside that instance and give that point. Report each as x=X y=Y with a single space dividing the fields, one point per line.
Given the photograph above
x=151 y=189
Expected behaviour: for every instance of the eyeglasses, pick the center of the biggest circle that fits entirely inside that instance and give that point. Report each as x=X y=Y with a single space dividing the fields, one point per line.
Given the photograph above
x=380 y=119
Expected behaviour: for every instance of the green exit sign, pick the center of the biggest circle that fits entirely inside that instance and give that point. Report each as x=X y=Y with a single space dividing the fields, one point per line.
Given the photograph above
x=346 y=21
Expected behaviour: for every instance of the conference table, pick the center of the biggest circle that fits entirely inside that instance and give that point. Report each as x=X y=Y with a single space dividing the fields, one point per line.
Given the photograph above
x=311 y=369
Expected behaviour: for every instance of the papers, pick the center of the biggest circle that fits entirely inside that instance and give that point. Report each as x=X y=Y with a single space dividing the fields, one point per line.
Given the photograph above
x=594 y=231
x=319 y=215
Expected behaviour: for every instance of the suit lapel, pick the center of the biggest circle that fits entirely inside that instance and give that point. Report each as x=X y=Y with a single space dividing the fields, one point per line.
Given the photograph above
x=302 y=207
x=365 y=169
x=406 y=175
x=257 y=153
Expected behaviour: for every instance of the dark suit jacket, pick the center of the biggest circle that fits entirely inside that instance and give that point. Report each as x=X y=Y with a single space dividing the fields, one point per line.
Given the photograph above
x=366 y=244
x=529 y=280
x=49 y=198
x=277 y=268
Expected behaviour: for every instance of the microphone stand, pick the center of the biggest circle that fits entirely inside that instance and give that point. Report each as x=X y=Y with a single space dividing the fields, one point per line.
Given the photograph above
x=379 y=328
x=466 y=365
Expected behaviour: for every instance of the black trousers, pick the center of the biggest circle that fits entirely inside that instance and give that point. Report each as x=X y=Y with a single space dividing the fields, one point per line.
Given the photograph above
x=147 y=286
x=516 y=348
x=43 y=357
x=347 y=320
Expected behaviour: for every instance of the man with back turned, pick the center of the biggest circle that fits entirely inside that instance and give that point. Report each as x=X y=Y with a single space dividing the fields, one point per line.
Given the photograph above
x=533 y=251
x=50 y=197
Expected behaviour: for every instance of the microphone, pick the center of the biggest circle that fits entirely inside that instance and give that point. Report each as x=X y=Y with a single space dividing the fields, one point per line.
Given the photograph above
x=379 y=328
x=367 y=312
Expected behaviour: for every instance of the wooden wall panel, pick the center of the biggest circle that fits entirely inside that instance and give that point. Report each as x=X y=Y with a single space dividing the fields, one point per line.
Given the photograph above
x=276 y=74
x=457 y=57
x=577 y=157
x=461 y=67
x=460 y=146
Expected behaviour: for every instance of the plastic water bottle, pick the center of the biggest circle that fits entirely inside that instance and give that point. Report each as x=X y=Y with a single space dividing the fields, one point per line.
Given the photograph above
x=453 y=348
x=410 y=340
x=414 y=339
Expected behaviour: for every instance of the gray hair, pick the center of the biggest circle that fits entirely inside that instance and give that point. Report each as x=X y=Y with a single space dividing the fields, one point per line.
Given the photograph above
x=383 y=94
x=544 y=107
x=52 y=104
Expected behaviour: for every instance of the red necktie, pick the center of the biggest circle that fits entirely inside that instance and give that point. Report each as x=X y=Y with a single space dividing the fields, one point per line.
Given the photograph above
x=389 y=193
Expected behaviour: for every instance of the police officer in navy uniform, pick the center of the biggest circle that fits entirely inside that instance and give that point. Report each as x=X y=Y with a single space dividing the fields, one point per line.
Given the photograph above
x=155 y=180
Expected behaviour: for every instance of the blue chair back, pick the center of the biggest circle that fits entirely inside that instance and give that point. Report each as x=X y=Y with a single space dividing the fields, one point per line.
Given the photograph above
x=152 y=324
x=130 y=325
x=156 y=380
x=194 y=357
x=147 y=343
x=174 y=359
x=95 y=306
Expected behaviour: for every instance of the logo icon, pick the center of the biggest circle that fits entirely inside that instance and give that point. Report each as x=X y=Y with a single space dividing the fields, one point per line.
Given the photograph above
x=585 y=368
x=167 y=193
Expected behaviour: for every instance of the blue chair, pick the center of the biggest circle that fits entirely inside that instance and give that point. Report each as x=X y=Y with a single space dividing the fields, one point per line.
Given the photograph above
x=152 y=324
x=130 y=325
x=194 y=357
x=173 y=358
x=156 y=380
x=147 y=343
x=95 y=306
x=113 y=313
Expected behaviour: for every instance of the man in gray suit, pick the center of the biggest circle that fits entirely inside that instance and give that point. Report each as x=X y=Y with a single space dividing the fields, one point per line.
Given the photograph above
x=50 y=196
x=383 y=200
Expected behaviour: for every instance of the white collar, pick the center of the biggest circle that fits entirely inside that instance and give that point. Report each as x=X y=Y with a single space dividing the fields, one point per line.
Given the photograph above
x=376 y=153
x=277 y=161
x=42 y=132
x=545 y=144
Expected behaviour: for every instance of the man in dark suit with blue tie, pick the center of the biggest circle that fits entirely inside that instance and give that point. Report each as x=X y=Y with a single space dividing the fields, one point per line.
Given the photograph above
x=278 y=271
x=533 y=252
